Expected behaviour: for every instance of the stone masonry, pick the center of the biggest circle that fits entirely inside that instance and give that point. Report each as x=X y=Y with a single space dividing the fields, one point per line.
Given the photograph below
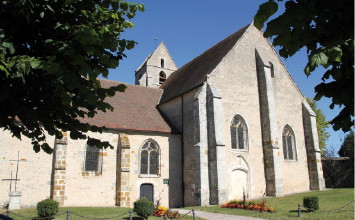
x=59 y=170
x=269 y=131
x=123 y=197
x=315 y=171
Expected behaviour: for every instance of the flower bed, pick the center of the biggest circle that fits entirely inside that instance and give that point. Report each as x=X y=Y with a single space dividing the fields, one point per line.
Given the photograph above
x=250 y=205
x=163 y=211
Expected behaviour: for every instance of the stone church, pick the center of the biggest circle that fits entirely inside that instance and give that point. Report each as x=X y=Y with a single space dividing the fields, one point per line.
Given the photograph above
x=229 y=123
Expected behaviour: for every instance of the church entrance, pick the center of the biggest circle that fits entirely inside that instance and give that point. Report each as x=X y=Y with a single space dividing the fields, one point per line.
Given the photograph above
x=146 y=190
x=239 y=184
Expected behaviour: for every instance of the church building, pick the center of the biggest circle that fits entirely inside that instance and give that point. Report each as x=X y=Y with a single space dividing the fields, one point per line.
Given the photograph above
x=229 y=123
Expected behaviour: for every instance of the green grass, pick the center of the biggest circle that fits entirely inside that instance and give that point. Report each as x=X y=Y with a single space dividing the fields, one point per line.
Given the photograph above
x=93 y=212
x=286 y=207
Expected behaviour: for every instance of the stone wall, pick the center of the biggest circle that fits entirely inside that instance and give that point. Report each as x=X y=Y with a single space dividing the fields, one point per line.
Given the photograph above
x=162 y=191
x=59 y=169
x=236 y=77
x=34 y=170
x=148 y=74
x=116 y=183
x=338 y=172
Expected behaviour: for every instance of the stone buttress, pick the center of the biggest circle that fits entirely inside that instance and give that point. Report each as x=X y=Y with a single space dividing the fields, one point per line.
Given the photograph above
x=123 y=197
x=59 y=169
x=315 y=171
x=216 y=148
x=271 y=146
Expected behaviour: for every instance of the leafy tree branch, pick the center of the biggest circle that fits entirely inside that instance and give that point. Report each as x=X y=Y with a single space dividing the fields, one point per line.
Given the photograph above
x=326 y=29
x=51 y=54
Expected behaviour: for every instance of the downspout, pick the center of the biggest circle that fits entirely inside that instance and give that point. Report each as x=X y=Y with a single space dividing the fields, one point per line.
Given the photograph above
x=182 y=151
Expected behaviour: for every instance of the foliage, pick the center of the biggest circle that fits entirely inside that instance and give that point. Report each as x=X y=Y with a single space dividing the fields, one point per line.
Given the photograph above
x=326 y=29
x=160 y=211
x=312 y=203
x=143 y=207
x=91 y=212
x=322 y=124
x=51 y=53
x=47 y=208
x=347 y=147
x=250 y=205
x=330 y=151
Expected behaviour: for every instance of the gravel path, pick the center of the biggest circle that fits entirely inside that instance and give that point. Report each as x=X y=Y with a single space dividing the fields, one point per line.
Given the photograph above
x=216 y=216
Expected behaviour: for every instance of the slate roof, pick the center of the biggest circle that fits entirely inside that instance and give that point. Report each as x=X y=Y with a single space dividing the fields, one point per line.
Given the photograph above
x=135 y=109
x=194 y=73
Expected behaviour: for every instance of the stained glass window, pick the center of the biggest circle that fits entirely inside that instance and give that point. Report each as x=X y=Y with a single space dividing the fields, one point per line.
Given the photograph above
x=153 y=162
x=239 y=133
x=149 y=158
x=288 y=142
x=92 y=158
x=144 y=162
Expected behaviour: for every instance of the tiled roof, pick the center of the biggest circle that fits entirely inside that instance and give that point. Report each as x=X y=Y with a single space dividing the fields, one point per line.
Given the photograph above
x=134 y=109
x=194 y=73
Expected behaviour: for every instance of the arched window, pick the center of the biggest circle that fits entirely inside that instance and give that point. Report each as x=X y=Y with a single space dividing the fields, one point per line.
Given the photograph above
x=149 y=158
x=289 y=143
x=162 y=77
x=239 y=133
x=93 y=160
x=162 y=63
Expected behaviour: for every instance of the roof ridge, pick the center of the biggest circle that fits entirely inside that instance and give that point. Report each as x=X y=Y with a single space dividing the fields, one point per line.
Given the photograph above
x=128 y=84
x=195 y=72
x=209 y=49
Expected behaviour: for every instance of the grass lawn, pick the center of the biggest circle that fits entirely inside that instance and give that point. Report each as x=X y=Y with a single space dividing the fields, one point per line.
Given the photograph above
x=93 y=212
x=286 y=207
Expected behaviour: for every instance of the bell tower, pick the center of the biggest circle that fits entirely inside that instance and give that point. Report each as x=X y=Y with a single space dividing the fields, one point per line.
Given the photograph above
x=156 y=68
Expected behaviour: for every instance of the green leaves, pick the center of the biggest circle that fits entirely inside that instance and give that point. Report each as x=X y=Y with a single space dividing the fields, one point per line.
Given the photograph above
x=326 y=30
x=51 y=54
x=266 y=10
x=314 y=61
x=322 y=125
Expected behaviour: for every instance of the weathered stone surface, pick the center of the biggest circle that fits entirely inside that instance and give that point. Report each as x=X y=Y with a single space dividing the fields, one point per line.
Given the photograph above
x=197 y=165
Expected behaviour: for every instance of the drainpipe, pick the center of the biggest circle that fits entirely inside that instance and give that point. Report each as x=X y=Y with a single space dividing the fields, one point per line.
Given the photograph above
x=182 y=150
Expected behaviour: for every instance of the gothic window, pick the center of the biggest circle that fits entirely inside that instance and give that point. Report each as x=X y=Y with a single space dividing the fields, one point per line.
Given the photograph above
x=92 y=159
x=289 y=143
x=149 y=161
x=162 y=63
x=162 y=77
x=239 y=133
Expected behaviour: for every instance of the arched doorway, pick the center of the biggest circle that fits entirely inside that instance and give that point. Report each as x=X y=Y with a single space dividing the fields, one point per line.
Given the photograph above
x=240 y=179
x=147 y=191
x=239 y=183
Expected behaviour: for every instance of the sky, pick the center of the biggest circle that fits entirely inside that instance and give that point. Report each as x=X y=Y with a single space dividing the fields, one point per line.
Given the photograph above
x=190 y=27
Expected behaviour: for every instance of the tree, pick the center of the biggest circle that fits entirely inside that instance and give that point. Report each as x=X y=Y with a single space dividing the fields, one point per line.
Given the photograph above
x=322 y=124
x=326 y=29
x=51 y=54
x=347 y=147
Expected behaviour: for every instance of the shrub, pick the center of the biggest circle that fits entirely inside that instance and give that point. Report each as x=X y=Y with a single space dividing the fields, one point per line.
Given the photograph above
x=143 y=207
x=311 y=203
x=47 y=208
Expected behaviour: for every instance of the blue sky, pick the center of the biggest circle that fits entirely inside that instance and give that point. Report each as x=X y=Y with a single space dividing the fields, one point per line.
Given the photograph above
x=189 y=27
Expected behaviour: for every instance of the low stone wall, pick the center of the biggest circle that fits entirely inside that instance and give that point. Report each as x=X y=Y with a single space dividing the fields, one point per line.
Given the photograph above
x=338 y=172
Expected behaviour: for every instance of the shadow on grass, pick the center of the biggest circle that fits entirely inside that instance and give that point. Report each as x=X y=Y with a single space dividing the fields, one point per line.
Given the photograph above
x=3 y=217
x=302 y=211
